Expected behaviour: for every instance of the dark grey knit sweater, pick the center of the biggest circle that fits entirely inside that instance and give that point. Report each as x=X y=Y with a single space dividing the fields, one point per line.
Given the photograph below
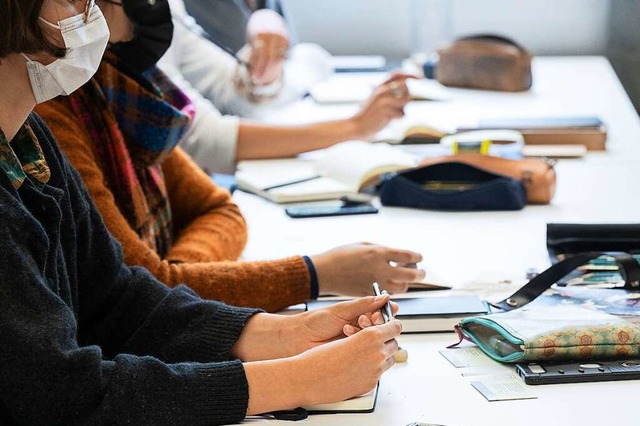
x=85 y=339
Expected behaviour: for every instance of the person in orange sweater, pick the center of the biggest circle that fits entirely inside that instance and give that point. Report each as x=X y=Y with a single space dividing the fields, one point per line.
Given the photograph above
x=121 y=130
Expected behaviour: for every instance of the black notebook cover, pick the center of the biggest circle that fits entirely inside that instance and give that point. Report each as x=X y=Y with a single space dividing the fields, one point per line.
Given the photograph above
x=428 y=314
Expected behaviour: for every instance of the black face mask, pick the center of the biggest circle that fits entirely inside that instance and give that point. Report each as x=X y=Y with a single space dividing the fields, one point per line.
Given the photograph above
x=152 y=34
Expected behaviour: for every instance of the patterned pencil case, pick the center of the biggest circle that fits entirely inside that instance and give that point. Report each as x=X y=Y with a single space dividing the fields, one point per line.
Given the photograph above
x=452 y=186
x=551 y=333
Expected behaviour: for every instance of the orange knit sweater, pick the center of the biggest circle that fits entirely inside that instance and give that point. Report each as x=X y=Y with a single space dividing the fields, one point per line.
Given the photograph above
x=210 y=232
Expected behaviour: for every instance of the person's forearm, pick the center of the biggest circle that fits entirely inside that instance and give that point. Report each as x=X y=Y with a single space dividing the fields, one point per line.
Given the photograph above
x=275 y=385
x=270 y=336
x=257 y=141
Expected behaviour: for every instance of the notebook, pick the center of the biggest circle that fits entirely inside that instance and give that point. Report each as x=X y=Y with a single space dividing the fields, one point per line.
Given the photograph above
x=341 y=170
x=588 y=131
x=428 y=314
x=365 y=403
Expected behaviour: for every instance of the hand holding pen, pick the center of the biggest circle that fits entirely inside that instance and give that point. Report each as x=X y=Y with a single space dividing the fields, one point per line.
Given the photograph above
x=268 y=39
x=386 y=309
x=401 y=354
x=375 y=317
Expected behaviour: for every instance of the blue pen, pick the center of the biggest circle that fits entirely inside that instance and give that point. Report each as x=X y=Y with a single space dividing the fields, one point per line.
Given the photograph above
x=386 y=312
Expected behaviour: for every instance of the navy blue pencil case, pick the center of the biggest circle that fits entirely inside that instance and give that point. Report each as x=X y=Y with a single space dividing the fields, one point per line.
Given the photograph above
x=452 y=186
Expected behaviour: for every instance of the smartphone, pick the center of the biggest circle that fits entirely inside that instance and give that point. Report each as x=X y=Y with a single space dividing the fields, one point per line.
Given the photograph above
x=321 y=211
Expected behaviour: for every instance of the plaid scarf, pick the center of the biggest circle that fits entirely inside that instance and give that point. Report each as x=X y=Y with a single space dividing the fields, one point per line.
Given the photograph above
x=134 y=123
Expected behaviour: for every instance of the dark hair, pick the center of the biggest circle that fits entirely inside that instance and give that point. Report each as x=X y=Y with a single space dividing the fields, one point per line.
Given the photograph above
x=20 y=30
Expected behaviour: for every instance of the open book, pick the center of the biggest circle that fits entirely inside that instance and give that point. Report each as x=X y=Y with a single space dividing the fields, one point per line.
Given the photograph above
x=365 y=403
x=341 y=170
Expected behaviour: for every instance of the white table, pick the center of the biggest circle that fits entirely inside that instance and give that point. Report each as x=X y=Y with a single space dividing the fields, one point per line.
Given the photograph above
x=474 y=251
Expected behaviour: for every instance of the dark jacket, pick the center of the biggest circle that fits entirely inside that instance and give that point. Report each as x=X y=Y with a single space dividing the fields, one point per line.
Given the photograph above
x=88 y=340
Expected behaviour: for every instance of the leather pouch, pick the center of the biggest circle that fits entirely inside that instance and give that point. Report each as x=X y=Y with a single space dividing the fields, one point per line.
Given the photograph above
x=452 y=185
x=571 y=238
x=485 y=62
x=537 y=175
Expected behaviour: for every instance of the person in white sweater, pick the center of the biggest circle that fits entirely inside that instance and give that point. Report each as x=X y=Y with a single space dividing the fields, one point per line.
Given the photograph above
x=226 y=20
x=216 y=81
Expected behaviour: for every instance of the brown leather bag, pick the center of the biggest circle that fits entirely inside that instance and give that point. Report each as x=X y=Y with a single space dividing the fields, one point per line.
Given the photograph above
x=538 y=176
x=485 y=62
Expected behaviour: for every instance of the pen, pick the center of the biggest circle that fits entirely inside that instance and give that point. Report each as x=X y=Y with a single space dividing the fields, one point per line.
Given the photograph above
x=401 y=355
x=293 y=182
x=386 y=312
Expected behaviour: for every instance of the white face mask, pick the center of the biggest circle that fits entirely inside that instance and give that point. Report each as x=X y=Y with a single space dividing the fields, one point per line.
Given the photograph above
x=85 y=43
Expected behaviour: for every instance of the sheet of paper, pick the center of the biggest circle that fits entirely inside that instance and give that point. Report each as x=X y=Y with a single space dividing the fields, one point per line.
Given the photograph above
x=467 y=357
x=485 y=370
x=358 y=61
x=502 y=388
x=428 y=90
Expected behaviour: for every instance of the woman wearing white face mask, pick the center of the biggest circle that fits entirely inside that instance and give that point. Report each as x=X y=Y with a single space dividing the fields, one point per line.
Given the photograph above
x=88 y=340
x=85 y=37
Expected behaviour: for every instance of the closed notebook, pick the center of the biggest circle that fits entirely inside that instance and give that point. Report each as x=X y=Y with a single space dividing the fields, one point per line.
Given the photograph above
x=365 y=403
x=428 y=314
x=341 y=170
x=588 y=131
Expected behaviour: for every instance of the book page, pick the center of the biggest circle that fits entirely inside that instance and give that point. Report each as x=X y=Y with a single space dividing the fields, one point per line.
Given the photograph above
x=346 y=88
x=356 y=163
x=322 y=188
x=256 y=175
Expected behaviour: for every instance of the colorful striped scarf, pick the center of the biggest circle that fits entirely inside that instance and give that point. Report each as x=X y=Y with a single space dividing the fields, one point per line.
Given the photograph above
x=134 y=123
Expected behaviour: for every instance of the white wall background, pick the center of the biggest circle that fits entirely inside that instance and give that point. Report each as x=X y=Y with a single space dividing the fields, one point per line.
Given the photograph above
x=395 y=28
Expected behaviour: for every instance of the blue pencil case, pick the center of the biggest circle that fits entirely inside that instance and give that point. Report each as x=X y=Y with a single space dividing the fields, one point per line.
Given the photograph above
x=452 y=186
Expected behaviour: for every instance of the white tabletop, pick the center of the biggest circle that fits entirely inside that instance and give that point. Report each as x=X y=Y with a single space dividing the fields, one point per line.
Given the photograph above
x=480 y=251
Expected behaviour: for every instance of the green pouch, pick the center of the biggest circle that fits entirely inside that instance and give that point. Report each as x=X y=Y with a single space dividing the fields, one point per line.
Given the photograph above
x=554 y=333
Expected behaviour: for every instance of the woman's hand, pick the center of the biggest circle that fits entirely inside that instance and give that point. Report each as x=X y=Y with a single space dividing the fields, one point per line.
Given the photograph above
x=340 y=320
x=327 y=373
x=348 y=367
x=268 y=41
x=350 y=270
x=326 y=355
x=386 y=103
x=270 y=336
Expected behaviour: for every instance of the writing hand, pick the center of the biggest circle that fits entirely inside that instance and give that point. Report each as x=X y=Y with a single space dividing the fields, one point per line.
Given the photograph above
x=350 y=270
x=268 y=40
x=386 y=103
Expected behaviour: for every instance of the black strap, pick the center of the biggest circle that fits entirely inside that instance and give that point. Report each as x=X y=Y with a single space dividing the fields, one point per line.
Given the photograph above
x=628 y=266
x=293 y=415
x=629 y=270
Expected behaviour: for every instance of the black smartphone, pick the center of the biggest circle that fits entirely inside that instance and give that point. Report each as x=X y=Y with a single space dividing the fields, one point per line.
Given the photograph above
x=320 y=211
x=578 y=372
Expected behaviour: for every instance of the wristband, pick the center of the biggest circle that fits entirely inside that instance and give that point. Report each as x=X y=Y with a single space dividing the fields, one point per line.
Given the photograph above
x=315 y=287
